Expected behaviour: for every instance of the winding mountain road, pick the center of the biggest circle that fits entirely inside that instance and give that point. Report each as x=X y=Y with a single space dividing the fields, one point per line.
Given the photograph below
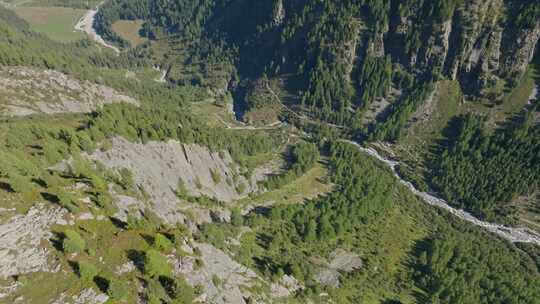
x=514 y=235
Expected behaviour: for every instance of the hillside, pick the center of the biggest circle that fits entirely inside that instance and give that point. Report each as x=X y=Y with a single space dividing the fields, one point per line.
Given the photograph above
x=374 y=67
x=234 y=151
x=355 y=49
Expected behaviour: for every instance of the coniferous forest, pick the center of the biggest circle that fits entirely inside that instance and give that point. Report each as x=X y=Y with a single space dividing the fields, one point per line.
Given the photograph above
x=236 y=151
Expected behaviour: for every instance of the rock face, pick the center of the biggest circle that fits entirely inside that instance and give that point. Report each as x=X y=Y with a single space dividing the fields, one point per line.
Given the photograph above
x=127 y=205
x=479 y=45
x=286 y=287
x=25 y=91
x=159 y=167
x=224 y=281
x=340 y=261
x=87 y=296
x=21 y=241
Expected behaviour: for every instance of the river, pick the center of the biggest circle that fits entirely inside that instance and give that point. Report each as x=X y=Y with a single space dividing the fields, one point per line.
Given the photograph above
x=512 y=234
x=86 y=24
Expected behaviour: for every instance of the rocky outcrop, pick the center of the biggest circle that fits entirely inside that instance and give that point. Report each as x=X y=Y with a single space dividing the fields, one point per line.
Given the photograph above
x=340 y=261
x=224 y=281
x=128 y=206
x=517 y=57
x=8 y=289
x=160 y=168
x=479 y=45
x=87 y=296
x=23 y=241
x=285 y=287
x=25 y=91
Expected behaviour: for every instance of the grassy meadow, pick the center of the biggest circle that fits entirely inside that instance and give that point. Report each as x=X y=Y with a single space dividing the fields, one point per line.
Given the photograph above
x=129 y=30
x=55 y=22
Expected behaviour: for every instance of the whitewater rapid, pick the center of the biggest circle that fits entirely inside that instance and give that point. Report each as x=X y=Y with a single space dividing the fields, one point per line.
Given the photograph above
x=514 y=235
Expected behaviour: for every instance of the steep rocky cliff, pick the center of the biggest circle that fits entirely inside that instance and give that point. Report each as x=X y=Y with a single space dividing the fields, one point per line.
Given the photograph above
x=331 y=53
x=25 y=91
x=479 y=45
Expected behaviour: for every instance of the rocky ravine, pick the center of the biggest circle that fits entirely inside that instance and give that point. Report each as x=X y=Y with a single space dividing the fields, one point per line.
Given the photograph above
x=25 y=91
x=515 y=235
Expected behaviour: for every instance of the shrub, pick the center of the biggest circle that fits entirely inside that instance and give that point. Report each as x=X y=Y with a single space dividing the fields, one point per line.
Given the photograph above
x=241 y=188
x=104 y=201
x=162 y=243
x=236 y=217
x=198 y=183
x=67 y=201
x=52 y=180
x=126 y=178
x=80 y=167
x=181 y=190
x=155 y=264
x=155 y=291
x=98 y=183
x=85 y=142
x=20 y=184
x=216 y=281
x=51 y=153
x=198 y=289
x=117 y=289
x=87 y=271
x=73 y=242
x=177 y=289
x=134 y=223
x=106 y=145
x=183 y=293
x=216 y=177
x=198 y=264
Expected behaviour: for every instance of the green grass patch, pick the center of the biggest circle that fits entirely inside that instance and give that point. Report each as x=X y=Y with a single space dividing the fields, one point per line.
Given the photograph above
x=310 y=185
x=46 y=287
x=215 y=113
x=446 y=101
x=55 y=22
x=129 y=30
x=82 y=4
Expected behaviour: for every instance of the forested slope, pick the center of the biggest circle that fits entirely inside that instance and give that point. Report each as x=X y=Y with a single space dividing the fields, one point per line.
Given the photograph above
x=113 y=206
x=341 y=55
x=372 y=67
